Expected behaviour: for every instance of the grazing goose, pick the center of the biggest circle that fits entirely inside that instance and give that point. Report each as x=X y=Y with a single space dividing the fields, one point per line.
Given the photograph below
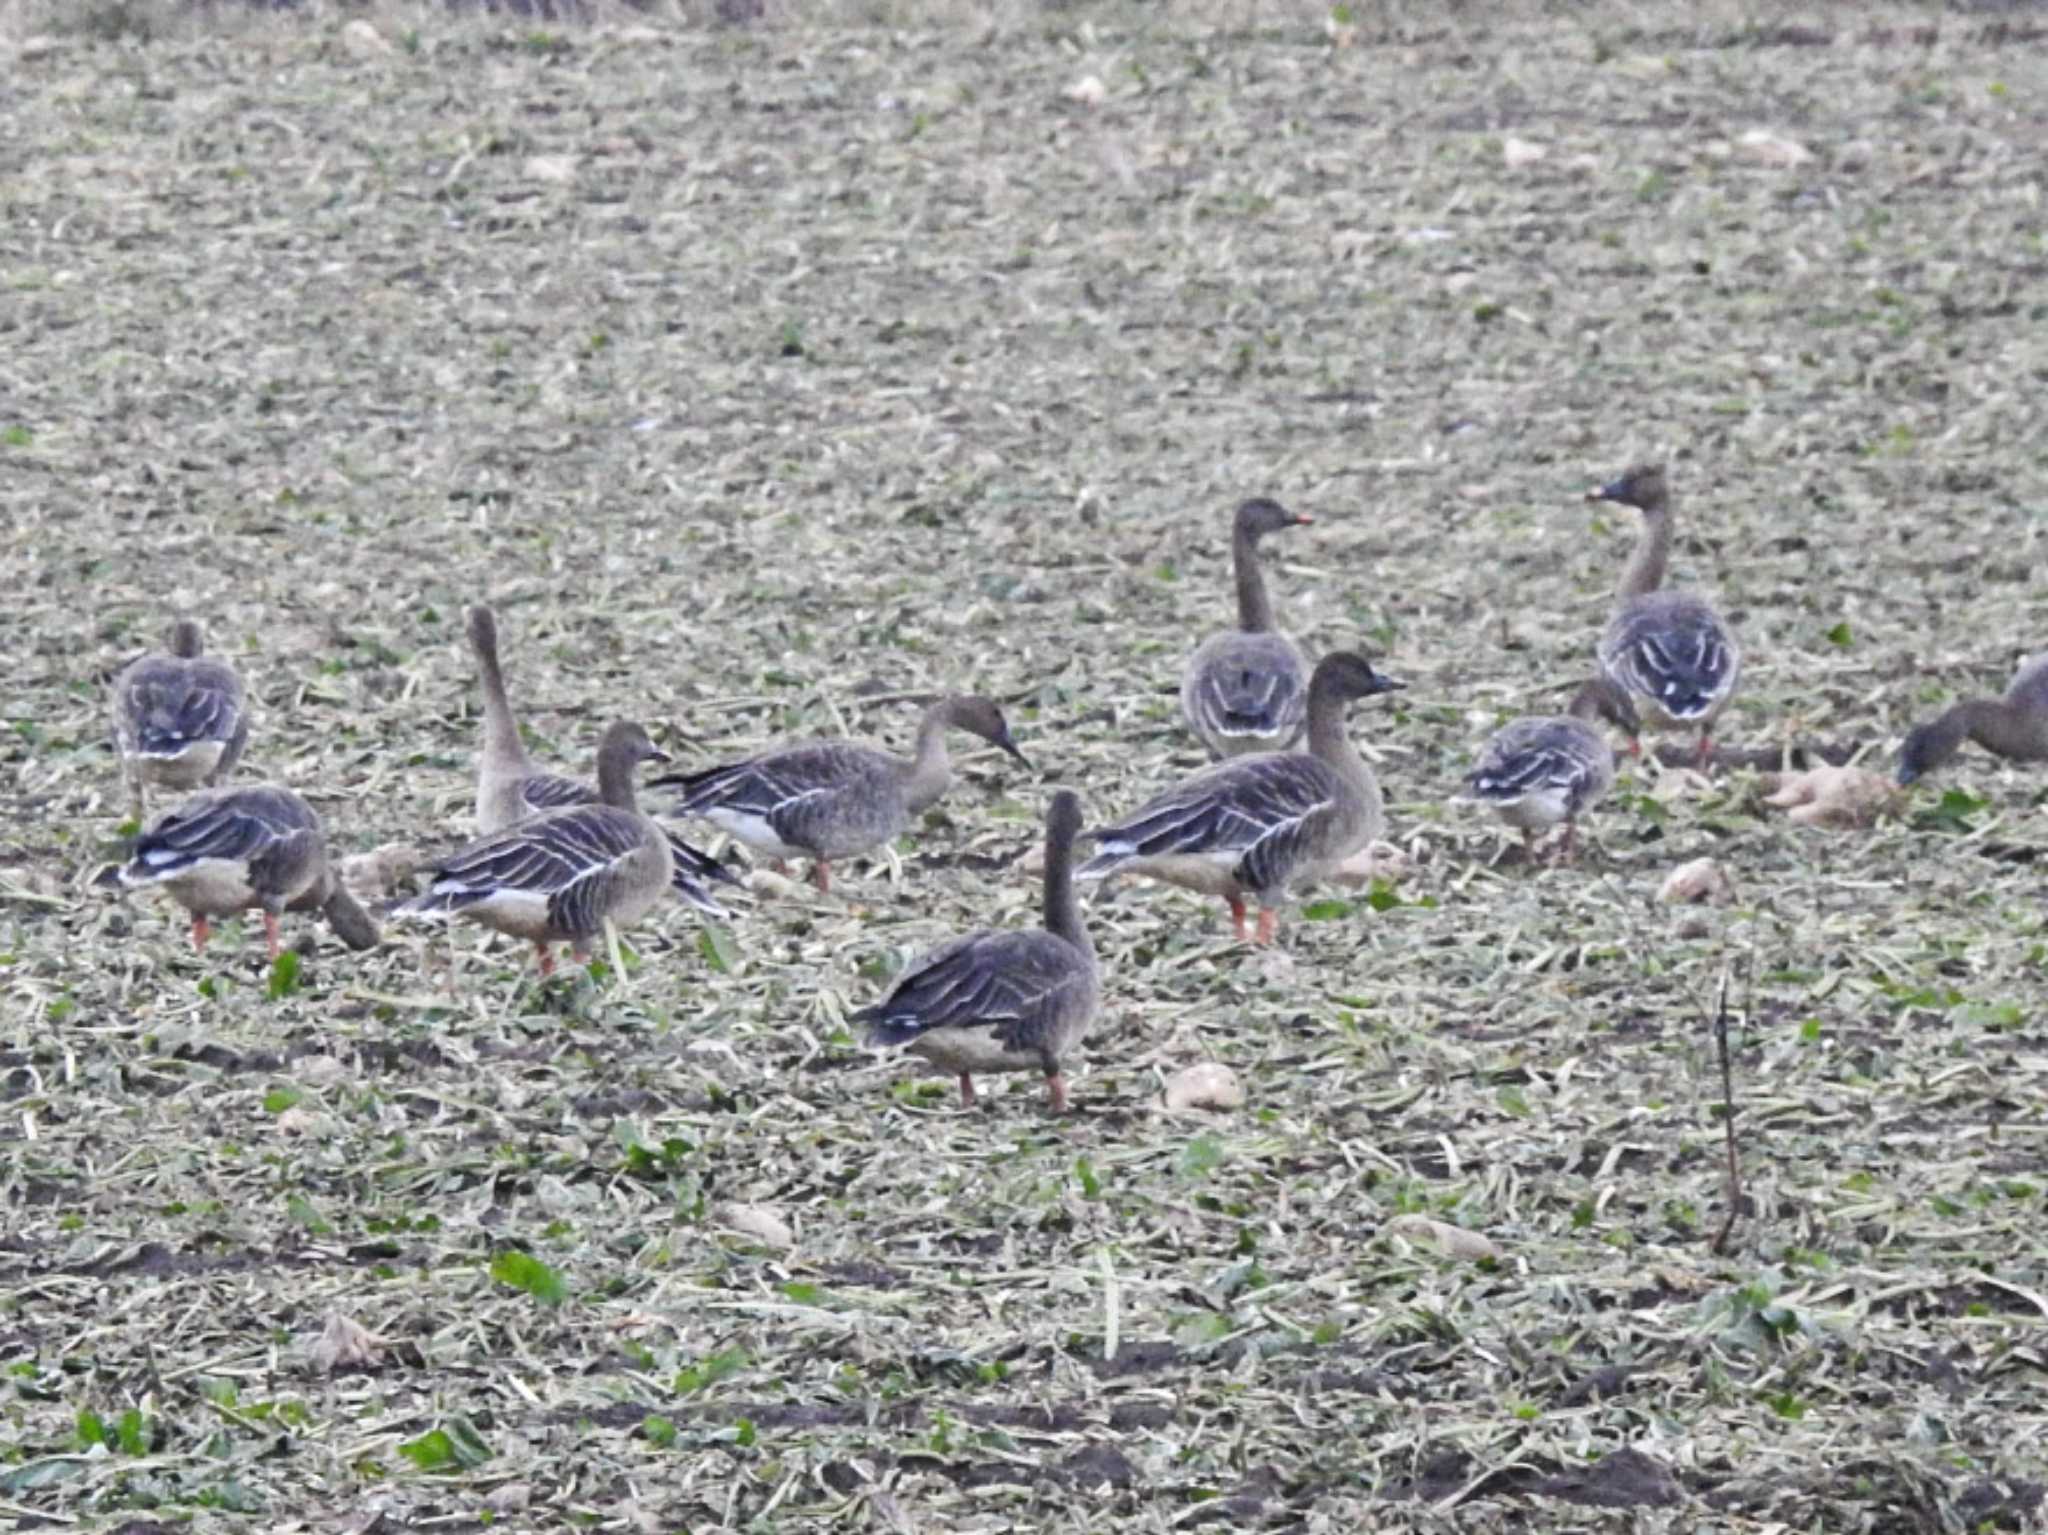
x=557 y=876
x=1247 y=690
x=1252 y=826
x=227 y=850
x=179 y=719
x=1014 y=1001
x=1538 y=771
x=1670 y=652
x=2015 y=726
x=833 y=799
x=510 y=789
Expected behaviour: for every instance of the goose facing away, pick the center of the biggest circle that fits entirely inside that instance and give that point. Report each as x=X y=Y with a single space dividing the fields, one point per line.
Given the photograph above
x=1538 y=771
x=510 y=788
x=1250 y=827
x=823 y=800
x=228 y=850
x=1670 y=652
x=1003 y=1001
x=557 y=876
x=1246 y=690
x=2014 y=726
x=180 y=719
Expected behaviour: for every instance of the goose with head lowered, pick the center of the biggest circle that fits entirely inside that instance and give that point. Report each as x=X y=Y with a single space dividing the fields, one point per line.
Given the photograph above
x=1003 y=1001
x=1249 y=828
x=1246 y=690
x=1541 y=770
x=232 y=850
x=559 y=876
x=826 y=800
x=180 y=718
x=2014 y=727
x=510 y=788
x=1671 y=653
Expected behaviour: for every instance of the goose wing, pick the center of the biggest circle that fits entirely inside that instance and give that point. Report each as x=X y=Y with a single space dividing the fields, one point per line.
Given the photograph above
x=1532 y=756
x=251 y=826
x=168 y=706
x=1015 y=984
x=1247 y=689
x=564 y=857
x=1674 y=651
x=796 y=793
x=1261 y=813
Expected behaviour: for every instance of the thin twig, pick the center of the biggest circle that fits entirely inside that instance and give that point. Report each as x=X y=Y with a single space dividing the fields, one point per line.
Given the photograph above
x=1727 y=1114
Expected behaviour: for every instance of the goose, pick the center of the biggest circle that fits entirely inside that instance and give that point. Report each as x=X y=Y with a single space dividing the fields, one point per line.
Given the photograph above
x=227 y=850
x=1247 y=690
x=1003 y=1001
x=1251 y=826
x=2015 y=726
x=1544 y=769
x=509 y=788
x=556 y=877
x=180 y=719
x=823 y=800
x=1670 y=652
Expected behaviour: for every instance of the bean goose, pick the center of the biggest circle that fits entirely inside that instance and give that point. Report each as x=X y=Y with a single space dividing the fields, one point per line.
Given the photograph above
x=509 y=788
x=1252 y=826
x=1014 y=1001
x=1670 y=652
x=1538 y=771
x=834 y=799
x=1247 y=690
x=2015 y=726
x=558 y=876
x=179 y=719
x=228 y=850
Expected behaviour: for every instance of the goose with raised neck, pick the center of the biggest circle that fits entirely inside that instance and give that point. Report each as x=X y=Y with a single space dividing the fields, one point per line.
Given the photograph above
x=181 y=719
x=1003 y=1001
x=559 y=876
x=2014 y=726
x=1670 y=653
x=1251 y=827
x=260 y=848
x=827 y=800
x=1541 y=770
x=509 y=788
x=1246 y=690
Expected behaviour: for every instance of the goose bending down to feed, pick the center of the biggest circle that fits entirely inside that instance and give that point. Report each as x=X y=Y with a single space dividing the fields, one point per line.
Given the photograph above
x=229 y=850
x=556 y=877
x=1546 y=769
x=180 y=719
x=2015 y=726
x=1012 y=1001
x=1246 y=690
x=1670 y=652
x=823 y=800
x=509 y=788
x=1250 y=827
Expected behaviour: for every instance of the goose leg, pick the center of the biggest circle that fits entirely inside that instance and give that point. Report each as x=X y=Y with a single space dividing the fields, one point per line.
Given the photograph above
x=966 y=1091
x=1568 y=849
x=270 y=933
x=1528 y=844
x=1705 y=759
x=546 y=956
x=1237 y=919
x=821 y=876
x=1056 y=1092
x=200 y=933
x=1268 y=919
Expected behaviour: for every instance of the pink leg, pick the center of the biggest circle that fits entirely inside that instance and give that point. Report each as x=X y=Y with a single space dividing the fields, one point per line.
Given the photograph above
x=270 y=934
x=821 y=876
x=200 y=933
x=1706 y=753
x=1268 y=919
x=1237 y=919
x=1056 y=1093
x=966 y=1090
x=546 y=956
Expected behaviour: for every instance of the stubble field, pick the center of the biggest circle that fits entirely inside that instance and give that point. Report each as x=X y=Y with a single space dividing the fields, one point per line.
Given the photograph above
x=771 y=378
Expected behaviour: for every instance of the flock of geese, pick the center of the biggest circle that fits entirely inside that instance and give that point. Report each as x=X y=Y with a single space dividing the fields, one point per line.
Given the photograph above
x=561 y=860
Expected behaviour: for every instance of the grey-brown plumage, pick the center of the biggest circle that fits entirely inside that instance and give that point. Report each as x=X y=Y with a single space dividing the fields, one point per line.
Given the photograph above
x=2014 y=727
x=823 y=800
x=1546 y=769
x=1246 y=690
x=558 y=876
x=1670 y=652
x=1004 y=1001
x=180 y=719
x=1250 y=827
x=510 y=788
x=231 y=850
